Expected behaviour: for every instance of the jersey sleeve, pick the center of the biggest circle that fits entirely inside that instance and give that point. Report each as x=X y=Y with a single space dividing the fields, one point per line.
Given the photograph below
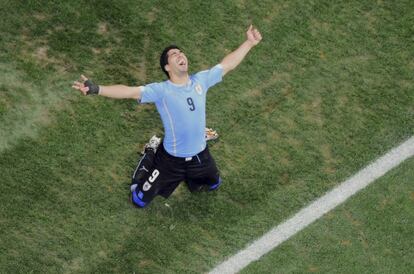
x=211 y=77
x=151 y=93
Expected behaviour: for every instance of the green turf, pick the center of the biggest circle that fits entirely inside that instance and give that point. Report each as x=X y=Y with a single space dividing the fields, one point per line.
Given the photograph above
x=371 y=233
x=328 y=90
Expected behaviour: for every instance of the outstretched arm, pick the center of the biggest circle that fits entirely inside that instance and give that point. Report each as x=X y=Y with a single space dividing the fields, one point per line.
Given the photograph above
x=115 y=91
x=232 y=60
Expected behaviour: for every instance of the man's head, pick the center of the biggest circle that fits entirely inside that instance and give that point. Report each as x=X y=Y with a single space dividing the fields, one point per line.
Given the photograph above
x=172 y=60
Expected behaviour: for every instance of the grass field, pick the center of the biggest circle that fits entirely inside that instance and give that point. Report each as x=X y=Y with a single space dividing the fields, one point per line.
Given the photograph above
x=372 y=233
x=329 y=89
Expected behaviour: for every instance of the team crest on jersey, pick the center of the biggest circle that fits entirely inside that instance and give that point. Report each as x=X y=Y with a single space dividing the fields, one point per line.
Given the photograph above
x=146 y=186
x=199 y=89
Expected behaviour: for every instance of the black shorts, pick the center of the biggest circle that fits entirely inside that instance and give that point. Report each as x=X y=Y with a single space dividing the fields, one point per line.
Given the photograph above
x=168 y=172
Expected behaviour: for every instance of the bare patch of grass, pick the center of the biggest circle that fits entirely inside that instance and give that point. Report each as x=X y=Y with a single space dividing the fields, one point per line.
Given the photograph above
x=313 y=111
x=313 y=269
x=139 y=70
x=318 y=27
x=41 y=54
x=74 y=265
x=145 y=263
x=102 y=28
x=40 y=16
x=287 y=123
x=274 y=11
x=152 y=15
x=371 y=22
x=329 y=160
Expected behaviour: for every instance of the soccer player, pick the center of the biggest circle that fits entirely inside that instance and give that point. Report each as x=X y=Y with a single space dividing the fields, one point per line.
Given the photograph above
x=181 y=103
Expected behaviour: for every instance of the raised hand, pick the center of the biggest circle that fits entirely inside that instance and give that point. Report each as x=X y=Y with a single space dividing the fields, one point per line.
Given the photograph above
x=253 y=36
x=87 y=87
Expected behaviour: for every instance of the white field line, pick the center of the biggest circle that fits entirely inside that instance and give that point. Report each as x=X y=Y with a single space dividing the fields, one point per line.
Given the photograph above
x=316 y=209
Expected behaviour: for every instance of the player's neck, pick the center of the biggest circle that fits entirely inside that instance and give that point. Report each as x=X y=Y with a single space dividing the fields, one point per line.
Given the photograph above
x=179 y=79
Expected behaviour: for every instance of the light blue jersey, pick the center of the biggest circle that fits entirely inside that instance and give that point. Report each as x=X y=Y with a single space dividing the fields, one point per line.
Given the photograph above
x=183 y=110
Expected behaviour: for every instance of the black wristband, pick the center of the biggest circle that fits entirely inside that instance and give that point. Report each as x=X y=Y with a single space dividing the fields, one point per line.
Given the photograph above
x=93 y=89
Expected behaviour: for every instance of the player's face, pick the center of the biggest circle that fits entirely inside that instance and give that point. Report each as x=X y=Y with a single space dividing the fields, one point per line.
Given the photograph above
x=177 y=61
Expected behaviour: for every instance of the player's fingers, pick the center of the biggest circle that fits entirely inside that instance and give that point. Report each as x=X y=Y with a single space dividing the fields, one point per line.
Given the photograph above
x=83 y=77
x=77 y=85
x=257 y=34
x=84 y=90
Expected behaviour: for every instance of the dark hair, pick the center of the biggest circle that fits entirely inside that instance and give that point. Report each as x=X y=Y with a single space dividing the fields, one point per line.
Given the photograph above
x=164 y=58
